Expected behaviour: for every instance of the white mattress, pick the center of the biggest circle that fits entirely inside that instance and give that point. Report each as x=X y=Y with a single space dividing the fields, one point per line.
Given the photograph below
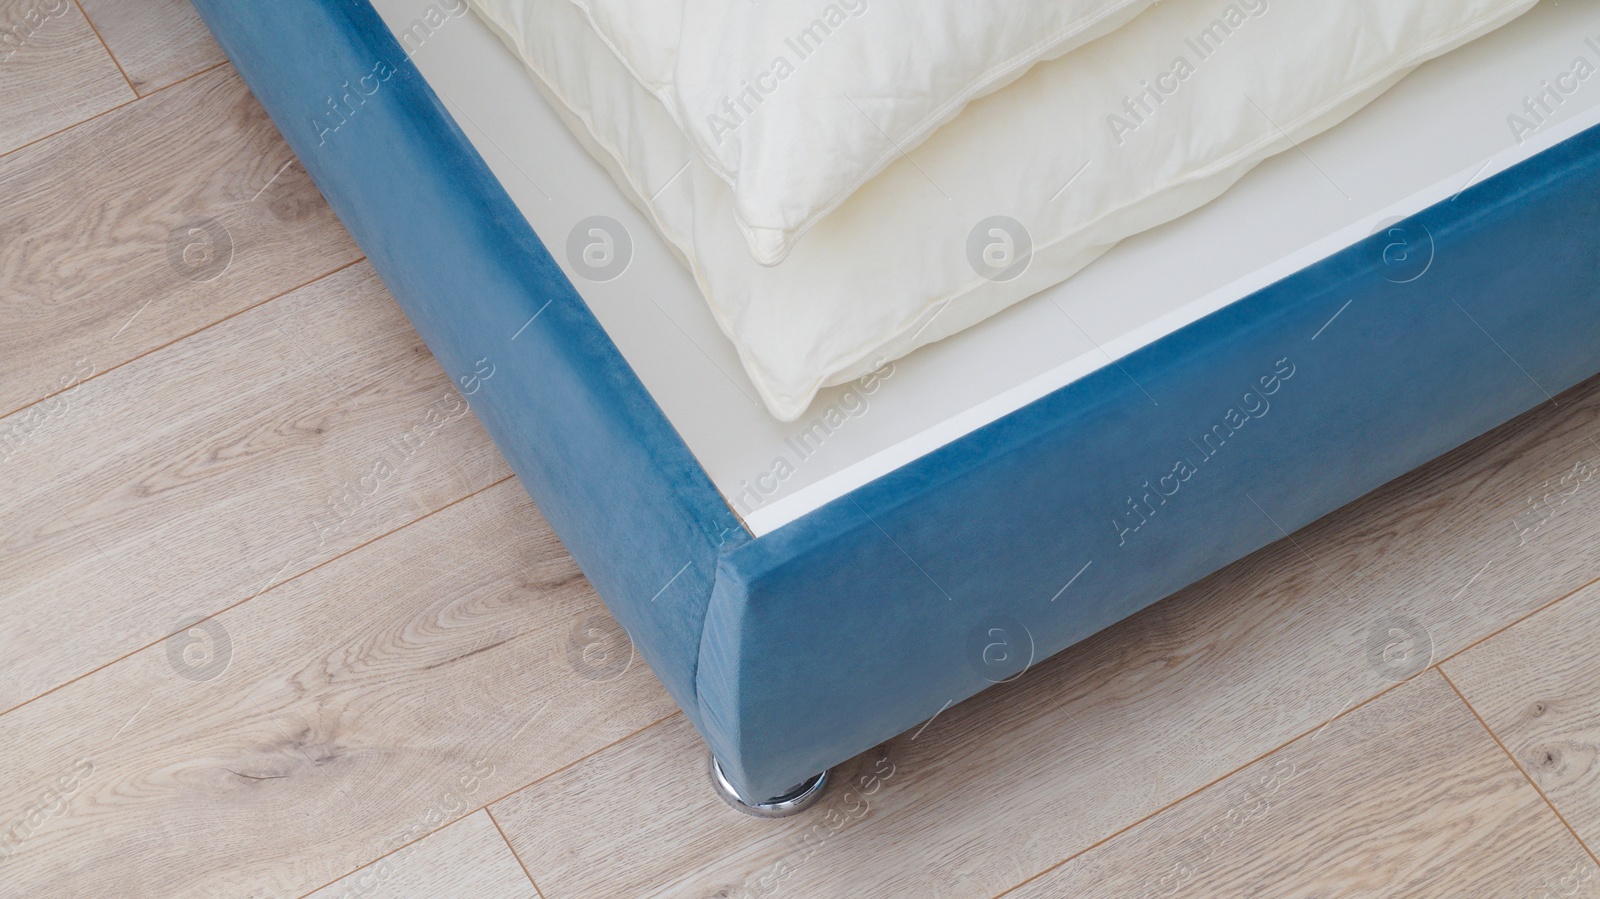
x=1443 y=128
x=1042 y=176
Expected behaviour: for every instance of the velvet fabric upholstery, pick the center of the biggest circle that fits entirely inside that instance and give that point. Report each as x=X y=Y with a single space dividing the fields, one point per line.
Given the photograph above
x=794 y=651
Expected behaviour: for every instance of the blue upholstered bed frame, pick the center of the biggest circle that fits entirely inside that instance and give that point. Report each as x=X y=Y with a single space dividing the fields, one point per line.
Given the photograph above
x=797 y=650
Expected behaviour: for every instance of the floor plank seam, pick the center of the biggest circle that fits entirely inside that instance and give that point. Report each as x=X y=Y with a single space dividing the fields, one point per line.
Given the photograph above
x=485 y=808
x=1435 y=666
x=114 y=61
x=578 y=761
x=1549 y=605
x=514 y=854
x=105 y=112
x=1209 y=784
x=1520 y=769
x=179 y=339
x=262 y=592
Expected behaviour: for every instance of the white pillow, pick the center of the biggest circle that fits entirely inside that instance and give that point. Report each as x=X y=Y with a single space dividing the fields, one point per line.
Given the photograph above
x=796 y=104
x=1119 y=136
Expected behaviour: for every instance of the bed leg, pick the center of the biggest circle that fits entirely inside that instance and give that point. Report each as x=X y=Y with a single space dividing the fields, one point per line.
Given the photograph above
x=793 y=801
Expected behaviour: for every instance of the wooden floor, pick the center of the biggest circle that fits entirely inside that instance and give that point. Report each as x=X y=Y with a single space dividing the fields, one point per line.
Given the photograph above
x=276 y=620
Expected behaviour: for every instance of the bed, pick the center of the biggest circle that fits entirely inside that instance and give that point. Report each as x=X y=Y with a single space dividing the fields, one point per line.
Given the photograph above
x=940 y=520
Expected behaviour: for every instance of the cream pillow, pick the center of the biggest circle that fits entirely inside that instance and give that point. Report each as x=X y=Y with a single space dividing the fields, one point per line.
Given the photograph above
x=796 y=104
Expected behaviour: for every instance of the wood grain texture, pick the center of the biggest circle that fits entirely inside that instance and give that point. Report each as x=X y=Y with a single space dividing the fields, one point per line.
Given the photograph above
x=1535 y=687
x=146 y=224
x=1002 y=787
x=157 y=42
x=199 y=475
x=359 y=707
x=468 y=859
x=54 y=72
x=1407 y=796
x=380 y=700
x=573 y=850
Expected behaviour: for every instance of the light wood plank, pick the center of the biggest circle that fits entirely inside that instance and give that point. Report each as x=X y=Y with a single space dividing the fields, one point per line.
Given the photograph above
x=363 y=705
x=201 y=474
x=1535 y=686
x=146 y=224
x=157 y=42
x=54 y=72
x=466 y=859
x=1000 y=788
x=1407 y=797
x=573 y=849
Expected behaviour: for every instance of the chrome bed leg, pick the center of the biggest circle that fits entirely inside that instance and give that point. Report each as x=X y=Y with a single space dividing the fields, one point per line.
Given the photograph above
x=793 y=801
